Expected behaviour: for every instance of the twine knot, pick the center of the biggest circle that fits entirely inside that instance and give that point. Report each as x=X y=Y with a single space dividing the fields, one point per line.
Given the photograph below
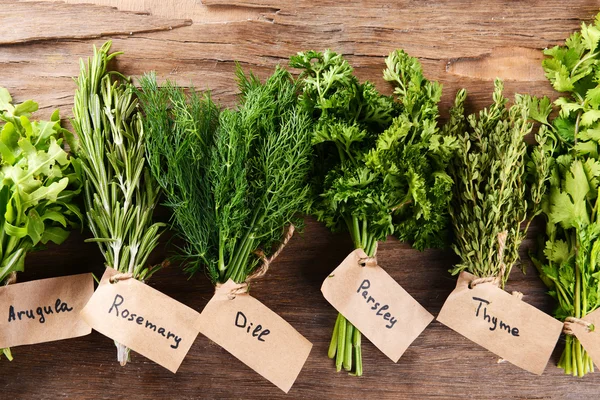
x=120 y=277
x=239 y=288
x=570 y=321
x=11 y=278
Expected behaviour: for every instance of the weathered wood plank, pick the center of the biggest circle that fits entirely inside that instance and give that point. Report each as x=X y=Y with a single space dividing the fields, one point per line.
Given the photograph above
x=38 y=21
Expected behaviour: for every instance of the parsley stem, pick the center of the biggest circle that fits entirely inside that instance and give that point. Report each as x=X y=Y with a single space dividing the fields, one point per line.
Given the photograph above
x=334 y=338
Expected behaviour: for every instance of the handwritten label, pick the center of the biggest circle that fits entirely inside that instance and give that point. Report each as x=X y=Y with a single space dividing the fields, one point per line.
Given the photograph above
x=143 y=319
x=255 y=335
x=376 y=304
x=590 y=340
x=501 y=323
x=44 y=310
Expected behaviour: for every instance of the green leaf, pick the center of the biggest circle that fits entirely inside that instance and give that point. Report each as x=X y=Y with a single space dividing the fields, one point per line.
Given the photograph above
x=35 y=226
x=590 y=35
x=54 y=234
x=589 y=117
x=25 y=108
x=18 y=232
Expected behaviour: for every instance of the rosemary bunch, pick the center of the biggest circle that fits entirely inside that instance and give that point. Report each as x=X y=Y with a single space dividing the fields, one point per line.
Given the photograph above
x=120 y=193
x=234 y=179
x=498 y=185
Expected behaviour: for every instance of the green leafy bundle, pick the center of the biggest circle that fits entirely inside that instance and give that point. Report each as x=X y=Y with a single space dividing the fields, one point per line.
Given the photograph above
x=499 y=183
x=569 y=264
x=38 y=184
x=380 y=164
x=120 y=193
x=234 y=179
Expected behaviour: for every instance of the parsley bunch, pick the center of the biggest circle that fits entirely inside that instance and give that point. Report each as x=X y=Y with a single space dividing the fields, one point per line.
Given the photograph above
x=39 y=185
x=570 y=264
x=380 y=162
x=234 y=179
x=499 y=183
x=120 y=193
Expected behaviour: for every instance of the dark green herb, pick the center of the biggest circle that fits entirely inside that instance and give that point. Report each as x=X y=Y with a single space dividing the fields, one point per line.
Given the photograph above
x=380 y=162
x=234 y=179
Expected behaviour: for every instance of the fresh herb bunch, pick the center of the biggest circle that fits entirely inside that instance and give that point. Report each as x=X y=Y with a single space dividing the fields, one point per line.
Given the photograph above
x=569 y=264
x=38 y=184
x=233 y=178
x=380 y=164
x=499 y=183
x=120 y=193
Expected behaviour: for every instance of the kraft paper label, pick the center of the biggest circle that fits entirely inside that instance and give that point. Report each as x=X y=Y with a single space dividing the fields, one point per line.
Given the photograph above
x=44 y=310
x=255 y=335
x=143 y=319
x=501 y=323
x=376 y=304
x=590 y=340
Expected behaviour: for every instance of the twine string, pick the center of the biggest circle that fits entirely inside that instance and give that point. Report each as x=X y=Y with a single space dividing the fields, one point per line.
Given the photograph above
x=496 y=280
x=241 y=288
x=570 y=321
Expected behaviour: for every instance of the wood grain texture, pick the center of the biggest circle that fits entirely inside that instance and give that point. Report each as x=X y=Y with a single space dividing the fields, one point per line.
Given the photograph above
x=460 y=43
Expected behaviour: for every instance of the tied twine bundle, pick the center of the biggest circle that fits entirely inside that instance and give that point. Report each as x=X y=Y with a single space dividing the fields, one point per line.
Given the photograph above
x=497 y=280
x=11 y=278
x=570 y=321
x=242 y=288
x=369 y=261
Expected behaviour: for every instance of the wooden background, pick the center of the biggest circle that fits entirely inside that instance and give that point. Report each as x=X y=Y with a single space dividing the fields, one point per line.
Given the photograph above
x=460 y=43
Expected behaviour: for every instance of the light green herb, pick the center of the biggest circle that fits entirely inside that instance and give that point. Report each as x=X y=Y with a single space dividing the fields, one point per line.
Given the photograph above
x=120 y=193
x=498 y=185
x=569 y=263
x=38 y=184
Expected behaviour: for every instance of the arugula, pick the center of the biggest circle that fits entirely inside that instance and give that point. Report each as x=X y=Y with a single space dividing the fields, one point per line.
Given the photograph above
x=234 y=179
x=380 y=161
x=499 y=183
x=38 y=184
x=120 y=193
x=568 y=262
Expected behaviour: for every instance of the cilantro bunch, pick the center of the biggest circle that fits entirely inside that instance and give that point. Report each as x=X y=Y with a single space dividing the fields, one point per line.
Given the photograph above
x=38 y=184
x=569 y=264
x=120 y=193
x=234 y=179
x=499 y=183
x=380 y=162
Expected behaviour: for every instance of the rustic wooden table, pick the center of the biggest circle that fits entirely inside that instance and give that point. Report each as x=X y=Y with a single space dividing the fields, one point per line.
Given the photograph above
x=460 y=43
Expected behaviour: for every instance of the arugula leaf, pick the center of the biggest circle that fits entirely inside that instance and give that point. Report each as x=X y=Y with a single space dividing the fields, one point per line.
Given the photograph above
x=35 y=172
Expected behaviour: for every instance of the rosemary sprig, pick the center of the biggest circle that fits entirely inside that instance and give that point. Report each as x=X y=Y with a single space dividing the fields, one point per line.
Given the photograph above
x=120 y=193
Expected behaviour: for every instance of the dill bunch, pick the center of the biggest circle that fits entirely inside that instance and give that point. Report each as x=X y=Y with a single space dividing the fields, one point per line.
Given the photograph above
x=120 y=193
x=234 y=179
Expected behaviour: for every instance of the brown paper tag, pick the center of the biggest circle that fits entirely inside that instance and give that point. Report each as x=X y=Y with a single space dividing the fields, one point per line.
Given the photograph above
x=376 y=304
x=590 y=340
x=502 y=323
x=143 y=319
x=44 y=310
x=255 y=335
